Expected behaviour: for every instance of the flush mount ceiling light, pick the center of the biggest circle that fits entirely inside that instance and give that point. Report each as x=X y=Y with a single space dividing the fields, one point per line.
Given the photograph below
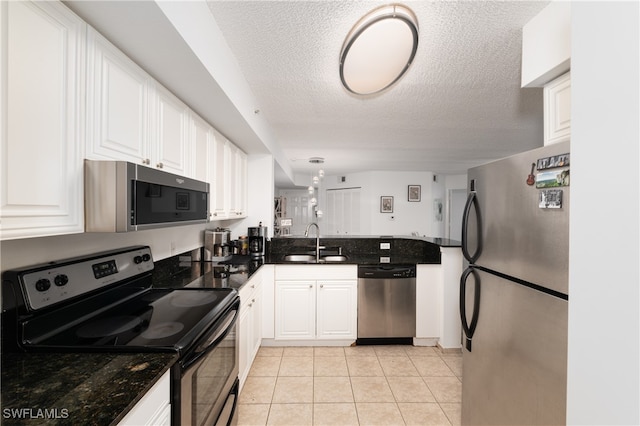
x=379 y=49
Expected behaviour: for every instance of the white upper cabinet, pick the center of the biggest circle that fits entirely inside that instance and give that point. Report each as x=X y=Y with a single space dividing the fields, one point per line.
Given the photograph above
x=130 y=116
x=43 y=87
x=171 y=145
x=237 y=184
x=557 y=110
x=218 y=159
x=117 y=104
x=202 y=138
x=229 y=188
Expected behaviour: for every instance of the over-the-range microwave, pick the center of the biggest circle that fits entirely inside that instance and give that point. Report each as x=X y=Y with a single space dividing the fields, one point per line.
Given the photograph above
x=121 y=196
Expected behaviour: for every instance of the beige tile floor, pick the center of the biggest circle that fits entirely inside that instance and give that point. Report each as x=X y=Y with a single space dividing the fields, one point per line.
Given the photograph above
x=361 y=385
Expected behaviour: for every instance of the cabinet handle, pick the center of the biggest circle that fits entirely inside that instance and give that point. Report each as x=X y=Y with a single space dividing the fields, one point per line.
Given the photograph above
x=146 y=161
x=321 y=285
x=310 y=286
x=159 y=165
x=253 y=301
x=253 y=286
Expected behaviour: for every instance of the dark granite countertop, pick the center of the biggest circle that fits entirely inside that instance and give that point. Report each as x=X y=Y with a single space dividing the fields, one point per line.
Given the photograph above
x=362 y=249
x=76 y=388
x=443 y=242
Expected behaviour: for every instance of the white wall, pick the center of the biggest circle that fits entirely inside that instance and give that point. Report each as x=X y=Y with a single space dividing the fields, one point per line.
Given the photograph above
x=453 y=182
x=163 y=242
x=407 y=217
x=604 y=296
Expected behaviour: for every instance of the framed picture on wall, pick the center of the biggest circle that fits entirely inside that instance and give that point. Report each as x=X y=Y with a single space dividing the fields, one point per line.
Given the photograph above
x=414 y=193
x=386 y=204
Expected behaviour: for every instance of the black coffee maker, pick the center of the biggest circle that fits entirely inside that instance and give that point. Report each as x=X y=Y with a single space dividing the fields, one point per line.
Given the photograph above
x=257 y=240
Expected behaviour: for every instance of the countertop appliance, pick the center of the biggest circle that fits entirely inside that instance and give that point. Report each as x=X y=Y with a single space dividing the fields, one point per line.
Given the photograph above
x=514 y=293
x=105 y=302
x=386 y=304
x=121 y=197
x=217 y=245
x=257 y=241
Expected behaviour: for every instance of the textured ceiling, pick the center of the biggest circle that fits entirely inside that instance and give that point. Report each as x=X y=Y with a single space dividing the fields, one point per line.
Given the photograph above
x=459 y=105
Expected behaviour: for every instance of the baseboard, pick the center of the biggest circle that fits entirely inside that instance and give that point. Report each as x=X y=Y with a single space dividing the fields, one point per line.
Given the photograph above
x=425 y=341
x=274 y=342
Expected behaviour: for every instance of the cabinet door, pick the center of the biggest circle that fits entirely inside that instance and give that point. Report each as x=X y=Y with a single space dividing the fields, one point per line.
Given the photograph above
x=557 y=110
x=154 y=408
x=244 y=329
x=240 y=204
x=231 y=151
x=43 y=64
x=336 y=309
x=169 y=137
x=219 y=195
x=256 y=323
x=201 y=135
x=295 y=310
x=117 y=104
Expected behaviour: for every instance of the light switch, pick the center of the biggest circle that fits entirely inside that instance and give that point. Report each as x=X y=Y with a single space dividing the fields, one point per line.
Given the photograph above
x=385 y=259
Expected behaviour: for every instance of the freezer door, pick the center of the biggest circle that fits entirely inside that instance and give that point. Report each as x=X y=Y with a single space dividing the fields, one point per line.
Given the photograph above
x=518 y=237
x=516 y=373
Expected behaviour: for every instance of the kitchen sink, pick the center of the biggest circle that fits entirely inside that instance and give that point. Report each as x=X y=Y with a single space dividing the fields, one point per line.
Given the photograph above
x=333 y=258
x=310 y=258
x=300 y=258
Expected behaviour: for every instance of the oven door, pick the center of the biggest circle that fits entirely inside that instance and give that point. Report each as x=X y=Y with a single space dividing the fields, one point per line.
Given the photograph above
x=205 y=389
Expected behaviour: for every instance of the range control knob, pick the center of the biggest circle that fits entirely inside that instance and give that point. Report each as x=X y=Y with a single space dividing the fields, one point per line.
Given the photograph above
x=61 y=280
x=43 y=284
x=137 y=260
x=146 y=257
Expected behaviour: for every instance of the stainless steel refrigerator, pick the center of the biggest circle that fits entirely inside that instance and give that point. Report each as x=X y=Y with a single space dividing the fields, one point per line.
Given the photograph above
x=514 y=292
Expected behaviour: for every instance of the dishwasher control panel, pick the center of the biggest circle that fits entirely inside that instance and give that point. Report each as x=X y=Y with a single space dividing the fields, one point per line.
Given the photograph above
x=386 y=271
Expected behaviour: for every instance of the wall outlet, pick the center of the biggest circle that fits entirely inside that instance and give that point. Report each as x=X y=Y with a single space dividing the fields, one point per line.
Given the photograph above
x=385 y=246
x=385 y=259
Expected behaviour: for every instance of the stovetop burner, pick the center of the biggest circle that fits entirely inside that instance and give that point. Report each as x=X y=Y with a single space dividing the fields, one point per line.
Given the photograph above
x=162 y=330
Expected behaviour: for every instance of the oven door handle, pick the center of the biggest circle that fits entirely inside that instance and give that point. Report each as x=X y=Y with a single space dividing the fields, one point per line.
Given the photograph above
x=218 y=335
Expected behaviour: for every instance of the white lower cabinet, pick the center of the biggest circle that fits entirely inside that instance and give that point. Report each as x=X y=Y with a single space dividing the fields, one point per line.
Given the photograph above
x=316 y=302
x=250 y=324
x=154 y=408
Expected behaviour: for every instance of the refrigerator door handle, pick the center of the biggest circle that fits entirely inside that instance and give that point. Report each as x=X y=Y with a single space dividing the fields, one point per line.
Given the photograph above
x=472 y=201
x=469 y=328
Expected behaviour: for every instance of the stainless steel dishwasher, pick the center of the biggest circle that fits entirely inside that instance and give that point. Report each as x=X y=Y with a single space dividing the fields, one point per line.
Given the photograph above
x=386 y=304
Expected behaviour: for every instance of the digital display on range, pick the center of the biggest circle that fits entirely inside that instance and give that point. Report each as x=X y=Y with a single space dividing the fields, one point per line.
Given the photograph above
x=104 y=269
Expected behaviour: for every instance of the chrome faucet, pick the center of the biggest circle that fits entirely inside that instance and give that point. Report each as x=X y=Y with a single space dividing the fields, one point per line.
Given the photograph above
x=318 y=247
